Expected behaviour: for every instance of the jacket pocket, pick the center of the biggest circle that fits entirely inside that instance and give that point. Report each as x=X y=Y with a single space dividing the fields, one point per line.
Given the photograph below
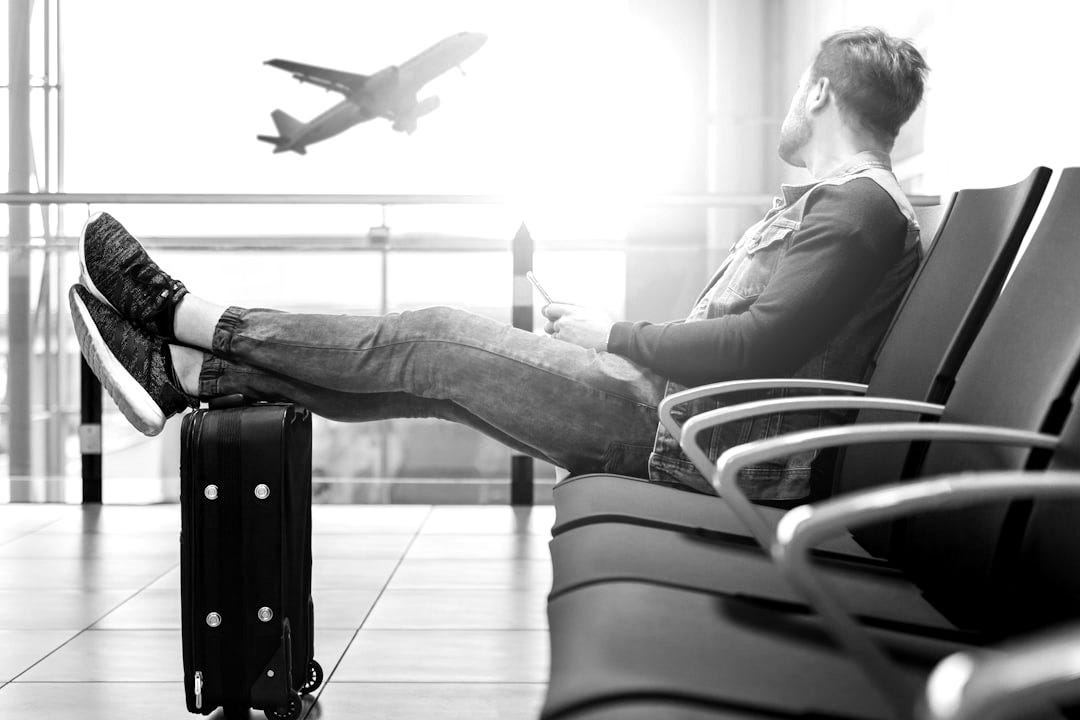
x=760 y=258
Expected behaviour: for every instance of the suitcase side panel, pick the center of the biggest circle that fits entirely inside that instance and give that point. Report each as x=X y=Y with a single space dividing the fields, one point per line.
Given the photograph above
x=266 y=567
x=241 y=553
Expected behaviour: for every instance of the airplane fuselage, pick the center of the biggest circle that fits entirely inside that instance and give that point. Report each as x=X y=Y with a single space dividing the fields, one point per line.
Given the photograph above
x=334 y=121
x=389 y=93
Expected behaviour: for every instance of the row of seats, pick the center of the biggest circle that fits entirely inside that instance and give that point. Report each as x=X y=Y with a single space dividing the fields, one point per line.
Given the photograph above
x=953 y=523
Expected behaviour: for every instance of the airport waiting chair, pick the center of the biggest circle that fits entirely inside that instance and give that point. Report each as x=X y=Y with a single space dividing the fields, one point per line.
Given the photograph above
x=949 y=298
x=987 y=571
x=1024 y=679
x=771 y=669
x=999 y=357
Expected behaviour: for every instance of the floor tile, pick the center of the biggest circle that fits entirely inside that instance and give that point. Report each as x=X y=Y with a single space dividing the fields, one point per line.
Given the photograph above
x=356 y=546
x=97 y=701
x=18 y=519
x=377 y=519
x=464 y=574
x=340 y=609
x=159 y=609
x=429 y=701
x=83 y=573
x=23 y=648
x=494 y=520
x=512 y=656
x=168 y=581
x=91 y=545
x=148 y=610
x=480 y=547
x=460 y=610
x=345 y=574
x=56 y=609
x=143 y=656
x=113 y=656
x=327 y=574
x=330 y=646
x=120 y=519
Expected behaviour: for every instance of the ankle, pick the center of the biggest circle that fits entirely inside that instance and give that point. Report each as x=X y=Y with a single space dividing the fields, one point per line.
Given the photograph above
x=194 y=321
x=187 y=366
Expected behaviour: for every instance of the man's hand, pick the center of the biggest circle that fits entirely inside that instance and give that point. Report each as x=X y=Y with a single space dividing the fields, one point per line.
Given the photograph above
x=575 y=324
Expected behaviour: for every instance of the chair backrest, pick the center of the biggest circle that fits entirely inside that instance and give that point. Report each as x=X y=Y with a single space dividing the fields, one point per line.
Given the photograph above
x=1040 y=581
x=930 y=217
x=1021 y=372
x=945 y=306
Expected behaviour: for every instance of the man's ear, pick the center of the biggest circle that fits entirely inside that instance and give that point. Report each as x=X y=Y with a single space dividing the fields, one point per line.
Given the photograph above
x=818 y=97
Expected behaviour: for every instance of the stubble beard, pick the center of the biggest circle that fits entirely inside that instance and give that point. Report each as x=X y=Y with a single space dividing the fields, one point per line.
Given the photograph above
x=795 y=133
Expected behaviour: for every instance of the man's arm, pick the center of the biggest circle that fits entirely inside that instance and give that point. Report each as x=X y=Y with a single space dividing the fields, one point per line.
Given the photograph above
x=849 y=237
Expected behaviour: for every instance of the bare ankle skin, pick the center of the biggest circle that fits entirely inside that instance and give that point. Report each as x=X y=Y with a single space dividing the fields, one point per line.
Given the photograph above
x=187 y=364
x=194 y=321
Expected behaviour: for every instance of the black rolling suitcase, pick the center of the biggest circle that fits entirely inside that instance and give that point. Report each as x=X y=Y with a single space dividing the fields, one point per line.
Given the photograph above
x=245 y=549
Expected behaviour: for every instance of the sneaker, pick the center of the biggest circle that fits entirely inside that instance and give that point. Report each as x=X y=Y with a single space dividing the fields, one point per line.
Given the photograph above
x=119 y=273
x=133 y=366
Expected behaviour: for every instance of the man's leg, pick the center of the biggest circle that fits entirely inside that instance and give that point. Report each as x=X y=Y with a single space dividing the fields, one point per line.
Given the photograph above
x=557 y=401
x=566 y=403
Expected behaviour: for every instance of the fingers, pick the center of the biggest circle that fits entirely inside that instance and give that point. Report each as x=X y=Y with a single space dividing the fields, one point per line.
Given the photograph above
x=554 y=311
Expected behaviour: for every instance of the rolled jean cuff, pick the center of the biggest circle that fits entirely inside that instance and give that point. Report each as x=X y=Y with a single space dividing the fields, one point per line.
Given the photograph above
x=210 y=376
x=221 y=342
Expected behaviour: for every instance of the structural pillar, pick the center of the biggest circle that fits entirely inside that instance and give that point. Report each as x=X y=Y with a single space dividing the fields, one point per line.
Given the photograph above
x=19 y=347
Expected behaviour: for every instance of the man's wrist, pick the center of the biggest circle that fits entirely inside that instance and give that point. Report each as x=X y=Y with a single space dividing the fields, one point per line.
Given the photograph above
x=618 y=337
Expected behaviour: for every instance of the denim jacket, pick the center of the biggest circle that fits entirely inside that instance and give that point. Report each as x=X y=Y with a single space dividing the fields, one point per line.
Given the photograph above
x=734 y=287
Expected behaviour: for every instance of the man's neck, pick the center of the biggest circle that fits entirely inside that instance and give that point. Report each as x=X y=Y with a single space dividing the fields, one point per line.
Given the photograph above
x=823 y=158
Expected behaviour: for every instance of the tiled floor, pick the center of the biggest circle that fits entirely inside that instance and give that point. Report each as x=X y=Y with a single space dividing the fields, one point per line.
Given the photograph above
x=421 y=612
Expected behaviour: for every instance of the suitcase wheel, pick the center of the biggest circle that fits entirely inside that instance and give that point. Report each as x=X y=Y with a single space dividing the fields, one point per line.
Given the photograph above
x=315 y=678
x=289 y=712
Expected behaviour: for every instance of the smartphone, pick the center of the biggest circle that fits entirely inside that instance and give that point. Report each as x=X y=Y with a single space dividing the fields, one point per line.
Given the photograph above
x=539 y=287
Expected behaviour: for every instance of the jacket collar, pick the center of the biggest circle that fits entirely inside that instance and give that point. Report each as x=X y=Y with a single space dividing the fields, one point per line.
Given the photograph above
x=855 y=164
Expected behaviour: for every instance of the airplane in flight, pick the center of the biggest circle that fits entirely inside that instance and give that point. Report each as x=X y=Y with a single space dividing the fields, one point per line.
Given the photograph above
x=389 y=93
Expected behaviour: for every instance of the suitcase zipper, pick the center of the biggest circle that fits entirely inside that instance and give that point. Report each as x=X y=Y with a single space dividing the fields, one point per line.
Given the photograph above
x=194 y=440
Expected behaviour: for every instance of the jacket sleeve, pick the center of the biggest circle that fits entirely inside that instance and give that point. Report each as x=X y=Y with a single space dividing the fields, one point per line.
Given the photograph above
x=849 y=237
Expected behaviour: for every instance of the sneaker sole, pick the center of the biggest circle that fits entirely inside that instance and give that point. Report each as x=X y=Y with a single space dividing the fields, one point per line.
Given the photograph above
x=134 y=402
x=84 y=274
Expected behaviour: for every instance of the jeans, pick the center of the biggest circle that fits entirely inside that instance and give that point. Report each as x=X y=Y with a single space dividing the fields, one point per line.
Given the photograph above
x=579 y=409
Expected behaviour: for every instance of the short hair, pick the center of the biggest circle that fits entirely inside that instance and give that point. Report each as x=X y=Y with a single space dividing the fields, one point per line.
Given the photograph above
x=877 y=78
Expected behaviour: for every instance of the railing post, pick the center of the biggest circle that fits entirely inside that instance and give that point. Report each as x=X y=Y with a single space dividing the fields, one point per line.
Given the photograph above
x=90 y=434
x=521 y=466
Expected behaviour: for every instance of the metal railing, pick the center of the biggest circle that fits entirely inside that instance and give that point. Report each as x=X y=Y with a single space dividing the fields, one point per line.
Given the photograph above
x=374 y=240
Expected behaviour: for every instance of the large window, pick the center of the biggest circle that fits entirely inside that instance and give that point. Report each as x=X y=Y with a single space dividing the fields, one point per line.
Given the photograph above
x=552 y=112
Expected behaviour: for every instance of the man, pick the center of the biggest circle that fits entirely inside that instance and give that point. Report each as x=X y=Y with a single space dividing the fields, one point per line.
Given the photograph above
x=806 y=292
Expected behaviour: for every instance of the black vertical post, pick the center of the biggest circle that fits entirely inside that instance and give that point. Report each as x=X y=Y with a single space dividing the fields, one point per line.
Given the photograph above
x=90 y=434
x=521 y=466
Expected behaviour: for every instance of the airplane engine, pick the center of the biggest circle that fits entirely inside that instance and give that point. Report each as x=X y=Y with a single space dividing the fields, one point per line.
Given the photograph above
x=426 y=105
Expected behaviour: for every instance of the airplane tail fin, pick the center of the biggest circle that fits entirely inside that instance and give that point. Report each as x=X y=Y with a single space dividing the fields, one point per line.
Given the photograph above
x=285 y=123
x=282 y=144
x=288 y=128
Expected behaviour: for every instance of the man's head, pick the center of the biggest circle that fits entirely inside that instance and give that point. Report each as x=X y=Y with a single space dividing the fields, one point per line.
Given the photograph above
x=873 y=82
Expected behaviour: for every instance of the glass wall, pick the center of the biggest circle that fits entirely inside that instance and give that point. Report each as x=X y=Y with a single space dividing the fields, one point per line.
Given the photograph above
x=552 y=113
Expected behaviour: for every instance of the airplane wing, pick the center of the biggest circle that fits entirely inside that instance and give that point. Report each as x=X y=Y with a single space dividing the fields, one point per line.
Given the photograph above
x=337 y=80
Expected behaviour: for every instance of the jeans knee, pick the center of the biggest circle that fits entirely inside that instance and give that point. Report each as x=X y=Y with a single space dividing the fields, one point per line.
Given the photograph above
x=440 y=323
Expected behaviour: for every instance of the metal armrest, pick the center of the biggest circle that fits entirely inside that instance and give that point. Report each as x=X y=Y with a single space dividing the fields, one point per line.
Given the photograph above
x=725 y=479
x=674 y=400
x=1006 y=682
x=802 y=528
x=744 y=411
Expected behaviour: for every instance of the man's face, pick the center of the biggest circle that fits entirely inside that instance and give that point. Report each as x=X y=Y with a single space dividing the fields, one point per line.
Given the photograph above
x=796 y=130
